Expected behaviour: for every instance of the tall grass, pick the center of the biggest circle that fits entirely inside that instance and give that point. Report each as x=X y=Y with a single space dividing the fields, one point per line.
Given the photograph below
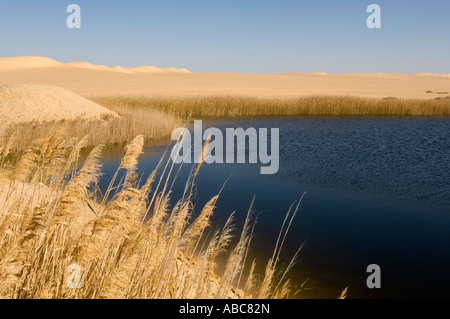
x=233 y=106
x=127 y=242
x=155 y=125
x=156 y=117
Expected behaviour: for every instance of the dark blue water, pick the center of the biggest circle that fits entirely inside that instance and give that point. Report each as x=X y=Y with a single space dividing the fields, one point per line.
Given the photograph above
x=377 y=192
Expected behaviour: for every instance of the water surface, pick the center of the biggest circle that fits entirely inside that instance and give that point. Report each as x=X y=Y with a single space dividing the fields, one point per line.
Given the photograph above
x=377 y=192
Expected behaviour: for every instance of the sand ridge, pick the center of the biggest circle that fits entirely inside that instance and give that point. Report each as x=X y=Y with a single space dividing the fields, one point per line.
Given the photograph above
x=20 y=103
x=87 y=79
x=28 y=62
x=34 y=62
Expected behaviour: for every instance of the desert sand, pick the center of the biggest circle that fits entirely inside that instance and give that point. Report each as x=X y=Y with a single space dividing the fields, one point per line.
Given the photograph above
x=21 y=103
x=87 y=79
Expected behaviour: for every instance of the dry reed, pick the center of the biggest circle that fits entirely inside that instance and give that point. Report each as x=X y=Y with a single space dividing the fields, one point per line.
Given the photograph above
x=155 y=125
x=60 y=237
x=156 y=117
x=234 y=106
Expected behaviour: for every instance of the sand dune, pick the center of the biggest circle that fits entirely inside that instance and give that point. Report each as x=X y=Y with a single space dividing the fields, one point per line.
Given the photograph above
x=145 y=69
x=118 y=68
x=176 y=70
x=153 y=69
x=88 y=79
x=85 y=65
x=37 y=103
x=26 y=62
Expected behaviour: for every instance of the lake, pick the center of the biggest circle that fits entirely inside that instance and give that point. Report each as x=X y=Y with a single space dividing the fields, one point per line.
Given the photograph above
x=377 y=192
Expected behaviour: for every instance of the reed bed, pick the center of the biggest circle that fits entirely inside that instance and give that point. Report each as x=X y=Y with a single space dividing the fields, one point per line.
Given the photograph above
x=61 y=237
x=155 y=125
x=233 y=106
x=156 y=117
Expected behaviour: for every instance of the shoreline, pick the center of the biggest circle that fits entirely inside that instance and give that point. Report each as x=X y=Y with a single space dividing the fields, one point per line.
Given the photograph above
x=156 y=118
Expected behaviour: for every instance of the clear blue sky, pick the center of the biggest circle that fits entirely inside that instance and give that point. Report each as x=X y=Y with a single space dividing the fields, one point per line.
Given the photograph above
x=247 y=36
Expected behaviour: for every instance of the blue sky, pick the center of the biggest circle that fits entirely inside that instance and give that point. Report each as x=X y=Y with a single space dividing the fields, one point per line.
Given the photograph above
x=246 y=36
